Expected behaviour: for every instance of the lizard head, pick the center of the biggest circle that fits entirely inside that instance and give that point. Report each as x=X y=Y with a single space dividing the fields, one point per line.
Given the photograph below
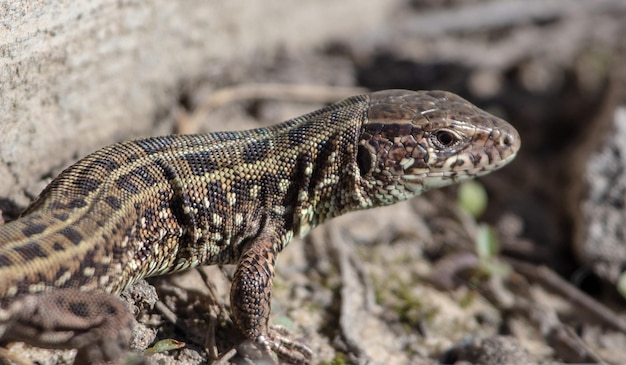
x=413 y=141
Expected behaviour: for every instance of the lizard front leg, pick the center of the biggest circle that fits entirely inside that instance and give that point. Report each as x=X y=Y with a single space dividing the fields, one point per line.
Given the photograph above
x=250 y=299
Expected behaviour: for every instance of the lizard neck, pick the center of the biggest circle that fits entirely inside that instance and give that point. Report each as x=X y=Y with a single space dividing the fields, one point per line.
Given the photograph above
x=329 y=176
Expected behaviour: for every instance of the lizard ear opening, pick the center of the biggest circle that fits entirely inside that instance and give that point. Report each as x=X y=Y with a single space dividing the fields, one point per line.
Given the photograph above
x=364 y=160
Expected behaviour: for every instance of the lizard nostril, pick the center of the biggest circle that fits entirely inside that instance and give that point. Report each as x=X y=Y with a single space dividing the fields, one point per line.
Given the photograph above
x=507 y=138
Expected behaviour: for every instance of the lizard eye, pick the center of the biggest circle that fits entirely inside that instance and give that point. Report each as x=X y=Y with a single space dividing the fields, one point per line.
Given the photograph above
x=444 y=138
x=364 y=160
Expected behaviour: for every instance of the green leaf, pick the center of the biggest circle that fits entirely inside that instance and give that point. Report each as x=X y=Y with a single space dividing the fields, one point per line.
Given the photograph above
x=472 y=197
x=486 y=242
x=164 y=345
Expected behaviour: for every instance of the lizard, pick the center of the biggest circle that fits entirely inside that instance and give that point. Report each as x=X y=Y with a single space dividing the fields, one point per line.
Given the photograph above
x=160 y=205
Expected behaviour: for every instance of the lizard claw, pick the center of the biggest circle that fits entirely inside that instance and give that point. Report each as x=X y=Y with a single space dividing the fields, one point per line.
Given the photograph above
x=288 y=350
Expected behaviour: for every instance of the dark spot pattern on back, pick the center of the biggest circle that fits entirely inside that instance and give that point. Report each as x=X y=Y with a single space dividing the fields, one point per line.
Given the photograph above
x=30 y=251
x=87 y=184
x=168 y=172
x=157 y=144
x=132 y=158
x=61 y=216
x=113 y=202
x=256 y=151
x=32 y=229
x=108 y=164
x=200 y=162
x=125 y=182
x=145 y=176
x=297 y=136
x=226 y=136
x=72 y=235
x=5 y=261
x=76 y=203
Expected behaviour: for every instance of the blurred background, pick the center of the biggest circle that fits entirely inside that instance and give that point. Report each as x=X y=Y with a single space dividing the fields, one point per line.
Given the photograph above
x=390 y=286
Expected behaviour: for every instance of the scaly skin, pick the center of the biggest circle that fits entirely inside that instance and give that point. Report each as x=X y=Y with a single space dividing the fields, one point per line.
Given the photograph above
x=160 y=205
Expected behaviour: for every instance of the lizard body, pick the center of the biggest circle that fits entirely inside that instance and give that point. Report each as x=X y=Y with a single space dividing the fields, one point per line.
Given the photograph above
x=159 y=205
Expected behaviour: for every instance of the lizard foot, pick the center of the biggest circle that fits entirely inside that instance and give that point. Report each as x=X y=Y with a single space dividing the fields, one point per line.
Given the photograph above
x=97 y=324
x=278 y=342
